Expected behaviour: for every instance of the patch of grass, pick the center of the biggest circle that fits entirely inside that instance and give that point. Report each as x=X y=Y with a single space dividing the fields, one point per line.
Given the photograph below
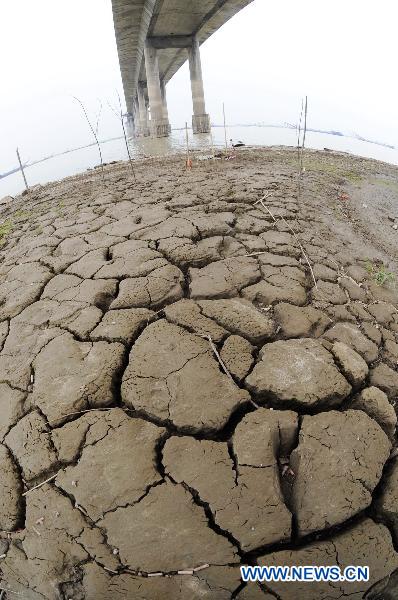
x=332 y=169
x=388 y=183
x=37 y=230
x=5 y=229
x=379 y=273
x=352 y=176
x=21 y=215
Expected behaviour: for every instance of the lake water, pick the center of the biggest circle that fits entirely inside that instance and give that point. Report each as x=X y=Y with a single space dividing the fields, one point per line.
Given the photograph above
x=78 y=161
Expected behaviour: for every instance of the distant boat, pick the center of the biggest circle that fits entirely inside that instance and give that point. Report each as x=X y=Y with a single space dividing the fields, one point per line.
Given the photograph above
x=238 y=144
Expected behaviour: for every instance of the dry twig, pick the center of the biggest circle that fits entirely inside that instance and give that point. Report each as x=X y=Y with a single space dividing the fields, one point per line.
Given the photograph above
x=82 y=412
x=293 y=233
x=222 y=364
x=40 y=484
x=120 y=117
x=217 y=354
x=93 y=131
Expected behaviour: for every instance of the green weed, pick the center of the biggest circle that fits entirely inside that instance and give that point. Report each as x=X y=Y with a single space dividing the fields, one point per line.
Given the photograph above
x=5 y=229
x=379 y=273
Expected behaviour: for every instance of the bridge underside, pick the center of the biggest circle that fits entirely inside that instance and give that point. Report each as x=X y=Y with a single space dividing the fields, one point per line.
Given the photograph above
x=154 y=38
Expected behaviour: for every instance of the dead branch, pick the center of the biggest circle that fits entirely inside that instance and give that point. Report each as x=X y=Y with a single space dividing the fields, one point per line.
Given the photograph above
x=125 y=137
x=94 y=134
x=40 y=484
x=293 y=233
x=213 y=347
x=222 y=364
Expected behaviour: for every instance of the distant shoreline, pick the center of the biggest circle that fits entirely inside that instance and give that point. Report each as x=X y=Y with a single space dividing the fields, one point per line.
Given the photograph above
x=215 y=125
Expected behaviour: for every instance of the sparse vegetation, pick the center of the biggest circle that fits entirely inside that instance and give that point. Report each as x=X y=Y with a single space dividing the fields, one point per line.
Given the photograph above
x=37 y=230
x=5 y=229
x=380 y=274
x=388 y=183
x=94 y=131
x=333 y=169
x=21 y=215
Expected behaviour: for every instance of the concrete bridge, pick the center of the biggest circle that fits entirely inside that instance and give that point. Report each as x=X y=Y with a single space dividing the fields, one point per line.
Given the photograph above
x=154 y=38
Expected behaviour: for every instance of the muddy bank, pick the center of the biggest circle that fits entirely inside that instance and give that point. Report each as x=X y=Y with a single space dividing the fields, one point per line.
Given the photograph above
x=192 y=379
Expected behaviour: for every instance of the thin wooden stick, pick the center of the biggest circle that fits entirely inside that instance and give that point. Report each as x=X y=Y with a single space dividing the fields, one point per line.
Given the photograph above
x=125 y=137
x=40 y=484
x=225 y=127
x=301 y=146
x=305 y=130
x=87 y=410
x=189 y=162
x=299 y=152
x=222 y=364
x=299 y=131
x=94 y=134
x=22 y=171
x=294 y=234
x=212 y=144
x=201 y=568
x=213 y=347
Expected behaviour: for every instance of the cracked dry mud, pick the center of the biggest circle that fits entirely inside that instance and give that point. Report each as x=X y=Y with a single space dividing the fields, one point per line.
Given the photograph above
x=128 y=451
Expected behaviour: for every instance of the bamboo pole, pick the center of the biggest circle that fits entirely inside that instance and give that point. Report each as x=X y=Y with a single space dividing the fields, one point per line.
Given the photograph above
x=125 y=136
x=225 y=128
x=22 y=171
x=189 y=162
x=305 y=131
x=94 y=134
x=212 y=144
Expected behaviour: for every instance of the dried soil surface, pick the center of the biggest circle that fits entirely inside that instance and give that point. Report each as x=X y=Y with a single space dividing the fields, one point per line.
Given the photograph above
x=181 y=394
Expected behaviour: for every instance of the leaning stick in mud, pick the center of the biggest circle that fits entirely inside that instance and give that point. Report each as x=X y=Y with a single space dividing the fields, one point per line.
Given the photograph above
x=299 y=131
x=294 y=234
x=22 y=171
x=94 y=134
x=189 y=162
x=119 y=115
x=225 y=128
x=301 y=143
x=305 y=131
x=212 y=144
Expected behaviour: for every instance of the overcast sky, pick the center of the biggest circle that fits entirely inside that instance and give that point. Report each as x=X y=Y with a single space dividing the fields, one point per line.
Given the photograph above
x=342 y=54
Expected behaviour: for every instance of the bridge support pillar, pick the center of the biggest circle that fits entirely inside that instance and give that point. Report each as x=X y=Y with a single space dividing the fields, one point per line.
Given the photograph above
x=159 y=125
x=143 y=128
x=130 y=123
x=164 y=101
x=200 y=119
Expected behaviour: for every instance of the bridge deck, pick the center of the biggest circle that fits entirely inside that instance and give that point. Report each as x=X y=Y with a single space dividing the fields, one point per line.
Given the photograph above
x=135 y=20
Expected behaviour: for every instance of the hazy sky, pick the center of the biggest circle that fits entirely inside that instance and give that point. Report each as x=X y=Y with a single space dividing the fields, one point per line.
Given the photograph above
x=341 y=53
